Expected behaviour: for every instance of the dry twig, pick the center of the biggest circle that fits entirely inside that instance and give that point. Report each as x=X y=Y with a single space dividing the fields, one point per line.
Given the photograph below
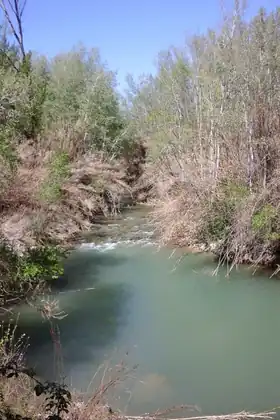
x=242 y=415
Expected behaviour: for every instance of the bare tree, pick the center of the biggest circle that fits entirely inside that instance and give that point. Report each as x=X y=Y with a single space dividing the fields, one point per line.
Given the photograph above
x=13 y=11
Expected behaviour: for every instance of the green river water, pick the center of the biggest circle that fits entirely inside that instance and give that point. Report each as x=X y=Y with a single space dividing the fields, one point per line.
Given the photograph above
x=198 y=339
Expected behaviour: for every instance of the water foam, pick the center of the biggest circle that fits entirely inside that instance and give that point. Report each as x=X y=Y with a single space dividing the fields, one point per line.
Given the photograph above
x=110 y=245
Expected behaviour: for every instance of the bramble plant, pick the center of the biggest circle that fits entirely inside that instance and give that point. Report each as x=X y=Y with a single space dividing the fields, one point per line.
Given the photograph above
x=57 y=396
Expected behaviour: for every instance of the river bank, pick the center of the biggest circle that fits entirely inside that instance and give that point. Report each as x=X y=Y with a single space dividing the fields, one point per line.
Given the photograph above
x=94 y=188
x=201 y=136
x=128 y=300
x=38 y=230
x=237 y=225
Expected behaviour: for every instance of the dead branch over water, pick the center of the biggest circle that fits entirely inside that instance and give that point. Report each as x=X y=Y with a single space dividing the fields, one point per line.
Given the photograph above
x=242 y=415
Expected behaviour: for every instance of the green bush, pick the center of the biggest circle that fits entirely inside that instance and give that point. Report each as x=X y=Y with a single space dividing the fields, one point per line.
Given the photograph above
x=217 y=221
x=30 y=121
x=73 y=92
x=265 y=222
x=220 y=210
x=21 y=273
x=22 y=96
x=43 y=263
x=59 y=172
x=234 y=191
x=82 y=94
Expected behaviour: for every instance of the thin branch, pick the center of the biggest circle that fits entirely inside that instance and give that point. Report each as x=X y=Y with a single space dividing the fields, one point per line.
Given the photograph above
x=11 y=6
x=242 y=415
x=23 y=8
x=9 y=59
x=18 y=16
x=17 y=11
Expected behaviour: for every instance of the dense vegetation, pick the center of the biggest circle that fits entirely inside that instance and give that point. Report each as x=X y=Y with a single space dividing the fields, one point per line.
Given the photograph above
x=67 y=154
x=211 y=116
x=70 y=149
x=65 y=145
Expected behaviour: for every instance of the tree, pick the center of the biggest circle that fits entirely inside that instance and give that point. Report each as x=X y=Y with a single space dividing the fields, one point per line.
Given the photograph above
x=13 y=11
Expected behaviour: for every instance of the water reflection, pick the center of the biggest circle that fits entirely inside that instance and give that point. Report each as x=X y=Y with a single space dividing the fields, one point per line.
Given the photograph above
x=198 y=339
x=94 y=317
x=83 y=268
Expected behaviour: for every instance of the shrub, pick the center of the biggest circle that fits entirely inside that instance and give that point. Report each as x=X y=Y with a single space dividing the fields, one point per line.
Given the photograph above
x=12 y=351
x=59 y=171
x=23 y=274
x=75 y=90
x=265 y=222
x=41 y=263
x=81 y=93
x=221 y=209
x=217 y=221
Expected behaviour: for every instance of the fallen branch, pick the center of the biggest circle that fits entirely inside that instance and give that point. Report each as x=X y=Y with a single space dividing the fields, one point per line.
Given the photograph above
x=242 y=415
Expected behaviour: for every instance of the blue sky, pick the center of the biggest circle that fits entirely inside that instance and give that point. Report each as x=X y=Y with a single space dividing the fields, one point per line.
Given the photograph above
x=129 y=33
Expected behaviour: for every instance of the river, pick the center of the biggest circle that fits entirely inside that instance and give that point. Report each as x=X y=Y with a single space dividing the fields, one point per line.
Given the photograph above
x=198 y=339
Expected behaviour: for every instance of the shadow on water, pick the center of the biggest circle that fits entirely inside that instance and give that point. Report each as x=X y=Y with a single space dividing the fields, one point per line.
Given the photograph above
x=94 y=323
x=94 y=318
x=83 y=269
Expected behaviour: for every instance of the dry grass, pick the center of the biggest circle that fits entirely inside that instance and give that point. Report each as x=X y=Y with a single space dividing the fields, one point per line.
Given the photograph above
x=65 y=137
x=18 y=394
x=176 y=219
x=178 y=211
x=94 y=187
x=21 y=191
x=184 y=207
